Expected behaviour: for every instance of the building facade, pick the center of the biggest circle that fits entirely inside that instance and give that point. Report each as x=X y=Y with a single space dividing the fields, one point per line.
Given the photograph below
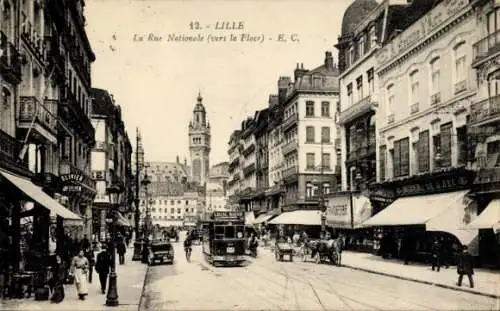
x=199 y=143
x=309 y=134
x=173 y=210
x=111 y=159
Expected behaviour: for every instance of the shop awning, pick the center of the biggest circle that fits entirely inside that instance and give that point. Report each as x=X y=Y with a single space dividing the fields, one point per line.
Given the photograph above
x=489 y=218
x=438 y=212
x=36 y=193
x=249 y=218
x=302 y=217
x=262 y=218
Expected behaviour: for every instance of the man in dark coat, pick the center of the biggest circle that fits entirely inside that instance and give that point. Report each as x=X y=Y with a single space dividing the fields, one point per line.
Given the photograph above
x=102 y=266
x=121 y=249
x=465 y=267
x=436 y=255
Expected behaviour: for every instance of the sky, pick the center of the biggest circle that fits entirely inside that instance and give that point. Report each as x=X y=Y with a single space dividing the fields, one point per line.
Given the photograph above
x=156 y=81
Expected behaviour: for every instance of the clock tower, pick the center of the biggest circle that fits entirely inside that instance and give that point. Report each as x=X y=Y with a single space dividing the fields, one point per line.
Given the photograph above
x=199 y=143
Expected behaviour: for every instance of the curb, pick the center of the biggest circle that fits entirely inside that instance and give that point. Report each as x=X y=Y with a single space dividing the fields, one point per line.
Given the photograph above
x=460 y=289
x=143 y=292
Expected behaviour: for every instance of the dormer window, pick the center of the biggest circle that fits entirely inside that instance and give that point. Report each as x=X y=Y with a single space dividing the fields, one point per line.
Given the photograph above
x=361 y=47
x=372 y=36
x=351 y=55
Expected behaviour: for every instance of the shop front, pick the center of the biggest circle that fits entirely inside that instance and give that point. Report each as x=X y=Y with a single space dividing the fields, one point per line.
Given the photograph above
x=26 y=241
x=296 y=221
x=345 y=214
x=419 y=210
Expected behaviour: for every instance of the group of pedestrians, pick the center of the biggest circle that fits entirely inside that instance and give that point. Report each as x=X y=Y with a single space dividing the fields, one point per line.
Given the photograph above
x=81 y=267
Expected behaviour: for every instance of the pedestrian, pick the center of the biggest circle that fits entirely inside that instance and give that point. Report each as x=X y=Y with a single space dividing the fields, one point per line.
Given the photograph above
x=79 y=267
x=436 y=255
x=121 y=249
x=102 y=267
x=465 y=267
x=57 y=281
x=91 y=258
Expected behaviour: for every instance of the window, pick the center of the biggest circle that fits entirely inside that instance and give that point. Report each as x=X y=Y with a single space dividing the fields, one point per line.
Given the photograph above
x=436 y=144
x=493 y=26
x=359 y=87
x=435 y=74
x=187 y=202
x=309 y=189
x=326 y=188
x=326 y=161
x=178 y=201
x=178 y=211
x=390 y=99
x=401 y=157
x=423 y=152
x=382 y=160
x=172 y=202
x=361 y=47
x=446 y=144
x=6 y=118
x=414 y=87
x=325 y=134
x=310 y=134
x=494 y=84
x=310 y=161
x=371 y=81
x=351 y=55
x=460 y=64
x=309 y=109
x=325 y=109
x=349 y=94
x=462 y=145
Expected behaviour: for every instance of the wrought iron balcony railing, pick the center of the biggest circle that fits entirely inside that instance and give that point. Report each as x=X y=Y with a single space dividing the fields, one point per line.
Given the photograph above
x=486 y=46
x=44 y=114
x=360 y=107
x=290 y=121
x=10 y=149
x=485 y=110
x=289 y=147
x=290 y=171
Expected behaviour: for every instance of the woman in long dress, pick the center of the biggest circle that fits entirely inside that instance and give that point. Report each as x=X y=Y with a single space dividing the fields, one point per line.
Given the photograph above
x=79 y=269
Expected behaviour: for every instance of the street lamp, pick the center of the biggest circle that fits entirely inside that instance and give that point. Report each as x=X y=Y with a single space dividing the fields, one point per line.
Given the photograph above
x=147 y=219
x=114 y=193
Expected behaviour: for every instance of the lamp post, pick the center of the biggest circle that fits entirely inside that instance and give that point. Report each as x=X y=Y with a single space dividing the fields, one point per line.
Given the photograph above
x=114 y=196
x=147 y=219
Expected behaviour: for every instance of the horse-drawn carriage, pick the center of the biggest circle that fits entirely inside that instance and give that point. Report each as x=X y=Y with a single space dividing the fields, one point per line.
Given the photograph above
x=320 y=251
x=281 y=249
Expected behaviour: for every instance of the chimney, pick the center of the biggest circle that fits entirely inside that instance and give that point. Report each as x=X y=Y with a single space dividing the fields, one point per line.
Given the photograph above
x=299 y=72
x=177 y=160
x=329 y=60
x=283 y=84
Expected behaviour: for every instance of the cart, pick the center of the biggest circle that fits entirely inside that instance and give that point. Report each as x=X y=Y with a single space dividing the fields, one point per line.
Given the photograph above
x=322 y=253
x=283 y=249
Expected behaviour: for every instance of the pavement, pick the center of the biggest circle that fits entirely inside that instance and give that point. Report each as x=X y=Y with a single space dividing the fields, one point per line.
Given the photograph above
x=130 y=285
x=486 y=282
x=263 y=283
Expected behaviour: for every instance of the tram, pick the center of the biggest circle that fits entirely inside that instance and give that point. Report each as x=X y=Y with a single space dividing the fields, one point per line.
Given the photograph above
x=223 y=239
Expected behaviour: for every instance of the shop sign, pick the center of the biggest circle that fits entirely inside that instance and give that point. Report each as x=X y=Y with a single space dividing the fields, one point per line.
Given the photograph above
x=433 y=186
x=423 y=27
x=228 y=215
x=72 y=188
x=338 y=211
x=72 y=178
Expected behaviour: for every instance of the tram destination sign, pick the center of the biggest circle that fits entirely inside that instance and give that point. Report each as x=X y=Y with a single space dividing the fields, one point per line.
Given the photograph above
x=228 y=215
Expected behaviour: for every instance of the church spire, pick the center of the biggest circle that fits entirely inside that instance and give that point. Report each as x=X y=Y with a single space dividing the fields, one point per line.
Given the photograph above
x=199 y=99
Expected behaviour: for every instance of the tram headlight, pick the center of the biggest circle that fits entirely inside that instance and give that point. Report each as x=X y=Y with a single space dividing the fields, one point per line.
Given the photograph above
x=240 y=235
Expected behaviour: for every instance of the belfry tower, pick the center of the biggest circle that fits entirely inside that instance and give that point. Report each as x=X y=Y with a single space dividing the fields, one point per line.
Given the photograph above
x=199 y=143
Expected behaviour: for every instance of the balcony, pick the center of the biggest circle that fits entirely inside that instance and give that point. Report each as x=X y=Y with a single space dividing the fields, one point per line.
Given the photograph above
x=10 y=150
x=293 y=170
x=414 y=108
x=390 y=118
x=485 y=111
x=289 y=147
x=10 y=64
x=486 y=47
x=71 y=111
x=289 y=122
x=32 y=39
x=460 y=86
x=358 y=109
x=249 y=169
x=361 y=152
x=436 y=98
x=41 y=118
x=249 y=150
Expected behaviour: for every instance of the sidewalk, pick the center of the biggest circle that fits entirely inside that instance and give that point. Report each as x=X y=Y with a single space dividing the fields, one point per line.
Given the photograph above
x=486 y=282
x=130 y=285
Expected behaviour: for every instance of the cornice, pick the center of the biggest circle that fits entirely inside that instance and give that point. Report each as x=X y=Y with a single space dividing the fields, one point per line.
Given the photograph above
x=468 y=11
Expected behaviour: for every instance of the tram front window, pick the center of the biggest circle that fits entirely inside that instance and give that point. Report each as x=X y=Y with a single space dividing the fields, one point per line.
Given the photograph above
x=219 y=232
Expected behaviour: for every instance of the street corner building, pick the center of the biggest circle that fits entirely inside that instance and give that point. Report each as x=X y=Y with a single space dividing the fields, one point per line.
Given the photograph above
x=47 y=188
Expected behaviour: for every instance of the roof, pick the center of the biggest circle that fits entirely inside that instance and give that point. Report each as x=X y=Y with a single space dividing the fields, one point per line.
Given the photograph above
x=355 y=13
